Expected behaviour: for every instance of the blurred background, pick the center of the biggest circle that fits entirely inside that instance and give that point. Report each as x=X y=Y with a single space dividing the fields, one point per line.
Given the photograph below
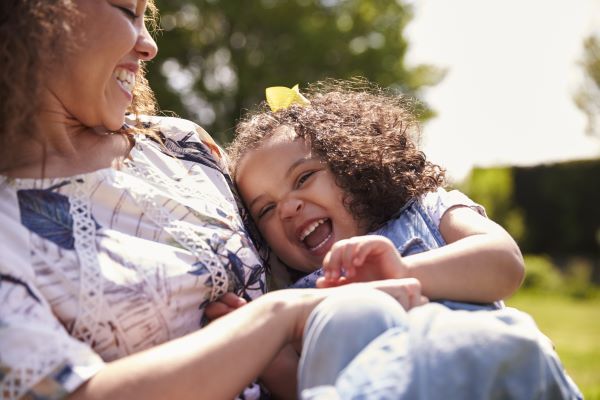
x=510 y=105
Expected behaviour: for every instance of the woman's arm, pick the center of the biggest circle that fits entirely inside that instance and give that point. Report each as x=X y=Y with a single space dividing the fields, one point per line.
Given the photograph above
x=217 y=362
x=280 y=376
x=481 y=263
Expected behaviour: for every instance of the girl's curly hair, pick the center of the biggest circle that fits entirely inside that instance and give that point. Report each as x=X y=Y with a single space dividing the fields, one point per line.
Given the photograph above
x=367 y=137
x=35 y=35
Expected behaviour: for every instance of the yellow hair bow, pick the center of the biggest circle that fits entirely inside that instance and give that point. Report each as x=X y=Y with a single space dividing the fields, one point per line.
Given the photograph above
x=281 y=97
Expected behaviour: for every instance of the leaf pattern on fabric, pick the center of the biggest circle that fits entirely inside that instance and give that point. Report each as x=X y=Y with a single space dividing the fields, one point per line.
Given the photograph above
x=236 y=267
x=46 y=213
x=209 y=219
x=242 y=282
x=185 y=149
x=16 y=281
x=206 y=152
x=200 y=269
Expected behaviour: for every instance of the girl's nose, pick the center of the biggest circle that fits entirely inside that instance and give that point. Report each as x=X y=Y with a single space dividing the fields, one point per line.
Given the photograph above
x=290 y=208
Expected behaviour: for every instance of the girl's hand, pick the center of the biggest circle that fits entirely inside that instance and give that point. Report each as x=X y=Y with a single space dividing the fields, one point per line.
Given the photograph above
x=226 y=304
x=406 y=291
x=362 y=259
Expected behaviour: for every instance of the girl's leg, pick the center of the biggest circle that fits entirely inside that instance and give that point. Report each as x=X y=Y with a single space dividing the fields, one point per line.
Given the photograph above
x=339 y=328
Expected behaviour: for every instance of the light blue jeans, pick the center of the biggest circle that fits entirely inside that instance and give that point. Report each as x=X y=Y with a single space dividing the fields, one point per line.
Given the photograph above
x=363 y=345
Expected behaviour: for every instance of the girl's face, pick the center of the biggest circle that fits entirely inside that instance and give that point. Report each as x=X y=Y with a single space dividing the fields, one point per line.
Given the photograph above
x=94 y=84
x=293 y=198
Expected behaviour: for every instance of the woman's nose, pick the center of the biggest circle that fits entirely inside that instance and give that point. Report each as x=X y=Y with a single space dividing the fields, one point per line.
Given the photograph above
x=290 y=208
x=146 y=46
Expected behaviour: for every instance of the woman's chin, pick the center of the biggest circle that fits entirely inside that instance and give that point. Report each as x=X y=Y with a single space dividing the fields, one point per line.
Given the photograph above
x=115 y=124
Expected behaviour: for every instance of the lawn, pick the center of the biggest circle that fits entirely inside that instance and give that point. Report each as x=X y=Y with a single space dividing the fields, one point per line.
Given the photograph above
x=574 y=327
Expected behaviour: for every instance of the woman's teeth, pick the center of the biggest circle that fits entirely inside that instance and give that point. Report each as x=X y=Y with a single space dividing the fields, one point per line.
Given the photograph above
x=125 y=78
x=310 y=229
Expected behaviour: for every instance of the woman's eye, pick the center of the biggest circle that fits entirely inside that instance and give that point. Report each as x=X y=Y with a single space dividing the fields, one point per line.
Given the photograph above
x=304 y=177
x=129 y=13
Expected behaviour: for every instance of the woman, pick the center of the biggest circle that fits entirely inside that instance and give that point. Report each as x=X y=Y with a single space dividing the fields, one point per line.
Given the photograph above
x=117 y=231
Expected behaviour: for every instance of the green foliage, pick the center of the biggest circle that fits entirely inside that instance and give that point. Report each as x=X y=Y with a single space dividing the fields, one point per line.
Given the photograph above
x=573 y=326
x=494 y=189
x=217 y=57
x=578 y=282
x=541 y=274
x=560 y=204
x=588 y=96
x=552 y=209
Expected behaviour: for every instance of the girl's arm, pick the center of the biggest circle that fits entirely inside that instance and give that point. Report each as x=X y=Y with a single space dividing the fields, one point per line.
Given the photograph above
x=218 y=361
x=280 y=377
x=481 y=263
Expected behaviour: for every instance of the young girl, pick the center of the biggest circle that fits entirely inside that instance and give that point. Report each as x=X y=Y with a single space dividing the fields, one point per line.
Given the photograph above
x=335 y=180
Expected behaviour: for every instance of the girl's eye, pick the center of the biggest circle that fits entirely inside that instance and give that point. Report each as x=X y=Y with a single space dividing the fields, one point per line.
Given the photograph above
x=129 y=13
x=304 y=177
x=263 y=211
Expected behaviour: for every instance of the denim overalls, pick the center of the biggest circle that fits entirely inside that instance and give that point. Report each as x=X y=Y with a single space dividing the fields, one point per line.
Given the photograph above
x=412 y=231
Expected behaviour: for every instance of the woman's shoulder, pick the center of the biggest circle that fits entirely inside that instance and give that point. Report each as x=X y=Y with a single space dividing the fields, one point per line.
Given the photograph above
x=178 y=131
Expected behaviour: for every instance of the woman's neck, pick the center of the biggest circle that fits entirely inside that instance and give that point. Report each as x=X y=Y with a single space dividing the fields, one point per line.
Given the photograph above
x=66 y=148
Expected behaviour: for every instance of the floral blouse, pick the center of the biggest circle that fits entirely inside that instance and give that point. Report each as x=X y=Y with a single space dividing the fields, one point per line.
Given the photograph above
x=101 y=265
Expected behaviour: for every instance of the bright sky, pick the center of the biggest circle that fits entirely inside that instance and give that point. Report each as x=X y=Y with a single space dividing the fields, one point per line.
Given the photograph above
x=507 y=98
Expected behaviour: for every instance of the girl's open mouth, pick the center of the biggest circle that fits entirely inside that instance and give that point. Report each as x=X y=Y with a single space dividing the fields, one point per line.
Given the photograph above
x=317 y=234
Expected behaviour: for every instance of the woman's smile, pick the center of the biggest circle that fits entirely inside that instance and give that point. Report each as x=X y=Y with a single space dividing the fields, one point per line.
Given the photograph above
x=126 y=80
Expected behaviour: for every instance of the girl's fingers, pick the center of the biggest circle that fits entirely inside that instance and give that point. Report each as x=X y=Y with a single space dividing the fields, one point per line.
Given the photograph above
x=348 y=260
x=233 y=300
x=332 y=263
x=216 y=310
x=226 y=304
x=364 y=249
x=406 y=291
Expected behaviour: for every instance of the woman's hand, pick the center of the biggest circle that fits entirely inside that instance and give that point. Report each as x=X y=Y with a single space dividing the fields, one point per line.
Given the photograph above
x=362 y=259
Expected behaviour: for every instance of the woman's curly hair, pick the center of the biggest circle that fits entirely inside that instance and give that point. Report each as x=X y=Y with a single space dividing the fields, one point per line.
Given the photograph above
x=367 y=137
x=36 y=35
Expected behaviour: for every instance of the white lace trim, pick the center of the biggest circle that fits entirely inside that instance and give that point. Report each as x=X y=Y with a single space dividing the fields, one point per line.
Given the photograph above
x=91 y=290
x=37 y=368
x=182 y=232
x=18 y=380
x=157 y=177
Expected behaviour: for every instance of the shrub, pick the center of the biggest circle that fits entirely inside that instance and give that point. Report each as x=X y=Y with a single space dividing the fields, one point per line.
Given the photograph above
x=541 y=274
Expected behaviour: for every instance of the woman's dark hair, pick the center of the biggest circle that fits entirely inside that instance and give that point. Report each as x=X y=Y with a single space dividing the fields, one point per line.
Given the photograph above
x=35 y=35
x=367 y=137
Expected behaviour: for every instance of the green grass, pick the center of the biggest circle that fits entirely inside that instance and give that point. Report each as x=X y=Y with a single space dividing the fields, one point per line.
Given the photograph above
x=574 y=327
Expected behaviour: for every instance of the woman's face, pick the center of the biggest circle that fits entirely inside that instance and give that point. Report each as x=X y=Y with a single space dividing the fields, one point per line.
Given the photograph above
x=94 y=84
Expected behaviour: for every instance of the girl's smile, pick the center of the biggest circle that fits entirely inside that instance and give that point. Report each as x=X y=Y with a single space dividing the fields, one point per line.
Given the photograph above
x=294 y=200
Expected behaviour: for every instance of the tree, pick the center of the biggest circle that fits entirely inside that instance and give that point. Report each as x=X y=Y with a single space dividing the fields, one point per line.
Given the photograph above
x=217 y=57
x=588 y=96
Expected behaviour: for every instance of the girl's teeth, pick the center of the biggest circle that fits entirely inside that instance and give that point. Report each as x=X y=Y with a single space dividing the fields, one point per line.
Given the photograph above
x=309 y=229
